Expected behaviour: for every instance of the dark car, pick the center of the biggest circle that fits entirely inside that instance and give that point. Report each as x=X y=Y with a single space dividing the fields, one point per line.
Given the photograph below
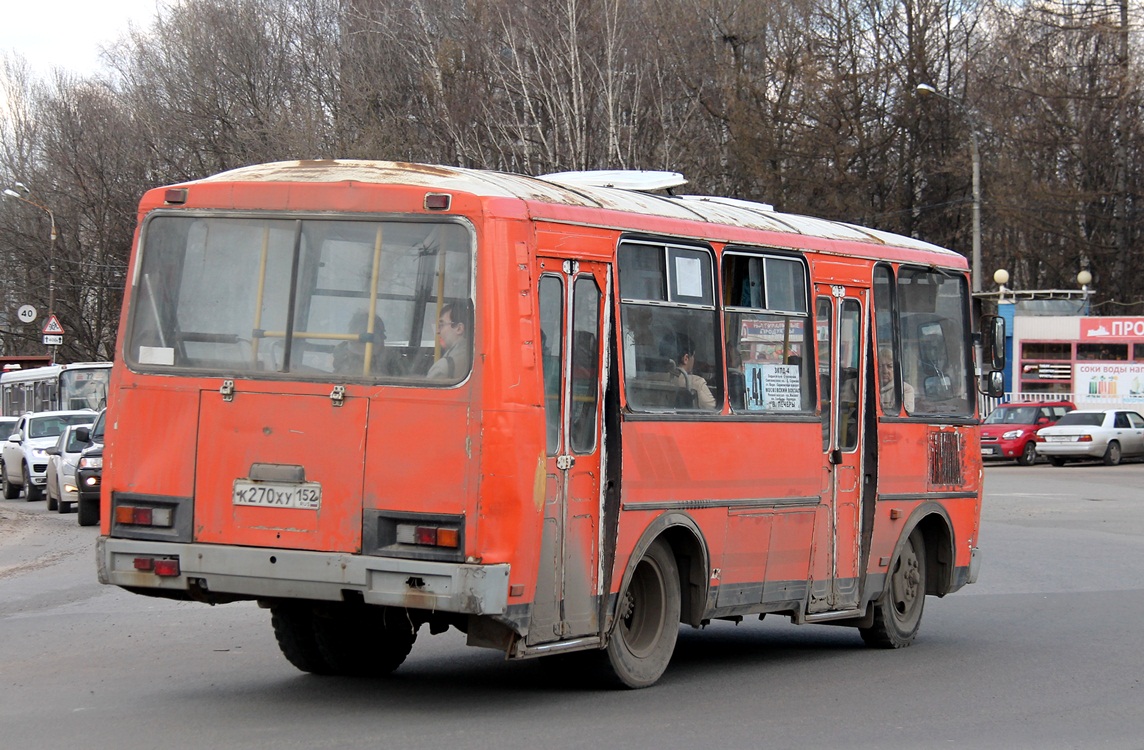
x=89 y=475
x=1010 y=430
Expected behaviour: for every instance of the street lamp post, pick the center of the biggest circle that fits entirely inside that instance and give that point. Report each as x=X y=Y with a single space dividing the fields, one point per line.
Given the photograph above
x=927 y=90
x=9 y=192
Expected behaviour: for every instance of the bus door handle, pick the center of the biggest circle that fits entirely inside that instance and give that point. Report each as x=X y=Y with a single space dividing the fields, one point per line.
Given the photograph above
x=836 y=456
x=565 y=462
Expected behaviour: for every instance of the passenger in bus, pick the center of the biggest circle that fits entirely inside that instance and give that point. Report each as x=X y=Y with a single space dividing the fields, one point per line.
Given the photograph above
x=680 y=350
x=453 y=329
x=349 y=356
x=886 y=380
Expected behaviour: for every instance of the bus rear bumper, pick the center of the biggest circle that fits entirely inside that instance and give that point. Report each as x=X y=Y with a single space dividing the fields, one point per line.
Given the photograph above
x=206 y=571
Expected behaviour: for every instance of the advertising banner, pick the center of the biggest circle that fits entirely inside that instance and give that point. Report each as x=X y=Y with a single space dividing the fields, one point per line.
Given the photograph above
x=1107 y=384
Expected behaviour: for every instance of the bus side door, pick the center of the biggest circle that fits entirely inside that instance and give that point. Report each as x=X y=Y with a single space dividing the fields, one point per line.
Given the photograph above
x=841 y=314
x=573 y=321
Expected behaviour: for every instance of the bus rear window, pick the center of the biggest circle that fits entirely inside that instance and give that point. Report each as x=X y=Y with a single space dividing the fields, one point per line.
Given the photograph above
x=309 y=298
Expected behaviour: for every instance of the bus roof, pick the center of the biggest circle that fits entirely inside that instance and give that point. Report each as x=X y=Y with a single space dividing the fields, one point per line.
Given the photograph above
x=567 y=189
x=48 y=371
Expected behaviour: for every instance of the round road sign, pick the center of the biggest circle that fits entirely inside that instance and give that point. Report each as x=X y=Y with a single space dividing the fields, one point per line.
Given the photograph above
x=26 y=313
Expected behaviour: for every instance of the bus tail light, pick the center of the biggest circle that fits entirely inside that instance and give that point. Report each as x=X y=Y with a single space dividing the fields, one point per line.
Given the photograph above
x=438 y=201
x=164 y=567
x=175 y=196
x=138 y=515
x=427 y=535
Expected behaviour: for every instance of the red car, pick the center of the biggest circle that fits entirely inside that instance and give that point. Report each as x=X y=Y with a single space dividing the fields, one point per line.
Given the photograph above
x=1008 y=432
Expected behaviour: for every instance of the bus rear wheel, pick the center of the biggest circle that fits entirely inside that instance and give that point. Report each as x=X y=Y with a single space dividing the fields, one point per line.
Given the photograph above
x=898 y=614
x=294 y=630
x=647 y=620
x=363 y=640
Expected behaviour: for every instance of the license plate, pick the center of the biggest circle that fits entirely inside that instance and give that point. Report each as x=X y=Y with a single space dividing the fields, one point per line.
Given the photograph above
x=1058 y=439
x=988 y=451
x=307 y=495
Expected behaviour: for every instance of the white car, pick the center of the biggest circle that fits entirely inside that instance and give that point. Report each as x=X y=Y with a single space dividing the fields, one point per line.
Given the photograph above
x=24 y=455
x=1107 y=434
x=62 y=459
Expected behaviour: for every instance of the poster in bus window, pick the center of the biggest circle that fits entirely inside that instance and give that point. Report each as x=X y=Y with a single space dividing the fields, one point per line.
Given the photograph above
x=772 y=356
x=773 y=387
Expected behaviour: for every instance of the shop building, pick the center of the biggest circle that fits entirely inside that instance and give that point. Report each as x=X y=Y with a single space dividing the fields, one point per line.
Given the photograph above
x=1055 y=350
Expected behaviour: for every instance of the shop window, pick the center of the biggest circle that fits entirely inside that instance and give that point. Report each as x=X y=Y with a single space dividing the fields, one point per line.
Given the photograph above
x=1102 y=352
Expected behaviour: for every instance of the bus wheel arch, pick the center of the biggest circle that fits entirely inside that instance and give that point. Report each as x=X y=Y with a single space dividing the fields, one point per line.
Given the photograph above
x=922 y=565
x=937 y=536
x=659 y=590
x=692 y=559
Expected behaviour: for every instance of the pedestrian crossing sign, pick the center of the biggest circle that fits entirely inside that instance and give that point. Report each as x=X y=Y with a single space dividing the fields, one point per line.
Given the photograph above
x=53 y=326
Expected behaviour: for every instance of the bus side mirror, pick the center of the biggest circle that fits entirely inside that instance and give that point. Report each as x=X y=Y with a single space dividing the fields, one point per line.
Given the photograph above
x=994 y=384
x=993 y=342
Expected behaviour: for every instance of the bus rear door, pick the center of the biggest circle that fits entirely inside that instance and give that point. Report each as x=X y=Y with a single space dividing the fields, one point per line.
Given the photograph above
x=835 y=573
x=573 y=322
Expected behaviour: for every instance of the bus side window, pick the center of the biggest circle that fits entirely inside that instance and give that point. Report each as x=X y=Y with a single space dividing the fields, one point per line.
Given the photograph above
x=668 y=296
x=766 y=321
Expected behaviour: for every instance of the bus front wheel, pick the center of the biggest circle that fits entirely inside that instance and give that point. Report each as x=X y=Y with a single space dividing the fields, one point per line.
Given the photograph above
x=647 y=615
x=898 y=614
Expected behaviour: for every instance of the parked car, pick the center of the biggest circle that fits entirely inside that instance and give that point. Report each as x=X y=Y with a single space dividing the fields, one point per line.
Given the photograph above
x=1009 y=432
x=62 y=459
x=24 y=454
x=1107 y=434
x=7 y=426
x=89 y=475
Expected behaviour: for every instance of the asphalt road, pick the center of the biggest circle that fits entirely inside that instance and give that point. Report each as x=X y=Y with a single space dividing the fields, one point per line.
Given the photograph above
x=1044 y=651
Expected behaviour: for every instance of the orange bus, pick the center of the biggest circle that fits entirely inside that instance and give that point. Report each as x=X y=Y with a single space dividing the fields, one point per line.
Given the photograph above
x=560 y=414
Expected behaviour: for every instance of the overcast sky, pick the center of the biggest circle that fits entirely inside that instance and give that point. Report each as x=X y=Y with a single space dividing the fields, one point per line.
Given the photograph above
x=68 y=33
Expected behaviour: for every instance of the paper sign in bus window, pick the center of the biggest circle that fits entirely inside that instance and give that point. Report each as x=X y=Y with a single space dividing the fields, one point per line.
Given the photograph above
x=773 y=387
x=689 y=277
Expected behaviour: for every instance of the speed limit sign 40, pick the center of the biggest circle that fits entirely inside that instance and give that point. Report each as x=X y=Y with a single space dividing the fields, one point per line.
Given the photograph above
x=26 y=313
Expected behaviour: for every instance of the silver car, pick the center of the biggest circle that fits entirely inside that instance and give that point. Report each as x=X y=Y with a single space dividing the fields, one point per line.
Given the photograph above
x=1106 y=434
x=24 y=457
x=62 y=459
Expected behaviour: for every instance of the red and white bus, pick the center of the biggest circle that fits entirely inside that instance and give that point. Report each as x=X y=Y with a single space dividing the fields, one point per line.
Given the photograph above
x=560 y=414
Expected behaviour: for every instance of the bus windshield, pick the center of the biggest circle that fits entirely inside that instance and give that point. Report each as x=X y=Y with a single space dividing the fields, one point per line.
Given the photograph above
x=312 y=298
x=84 y=388
x=934 y=328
